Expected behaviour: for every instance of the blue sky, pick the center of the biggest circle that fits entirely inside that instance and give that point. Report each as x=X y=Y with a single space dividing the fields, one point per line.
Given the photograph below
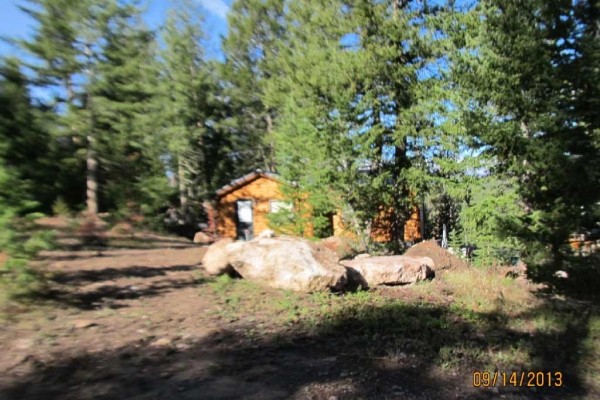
x=16 y=24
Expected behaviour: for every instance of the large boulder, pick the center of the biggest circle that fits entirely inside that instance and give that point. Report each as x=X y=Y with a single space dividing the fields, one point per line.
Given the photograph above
x=287 y=263
x=215 y=260
x=202 y=238
x=389 y=270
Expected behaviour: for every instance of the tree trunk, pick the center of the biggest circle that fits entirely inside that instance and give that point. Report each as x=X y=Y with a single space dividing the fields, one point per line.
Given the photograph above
x=183 y=199
x=91 y=157
x=91 y=177
x=270 y=161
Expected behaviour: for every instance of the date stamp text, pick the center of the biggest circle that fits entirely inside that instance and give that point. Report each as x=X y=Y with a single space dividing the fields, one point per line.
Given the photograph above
x=517 y=379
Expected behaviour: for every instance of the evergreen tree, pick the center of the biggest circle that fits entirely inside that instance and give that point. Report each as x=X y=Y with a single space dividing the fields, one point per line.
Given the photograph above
x=24 y=145
x=95 y=55
x=250 y=50
x=26 y=176
x=126 y=112
x=528 y=67
x=185 y=94
x=355 y=105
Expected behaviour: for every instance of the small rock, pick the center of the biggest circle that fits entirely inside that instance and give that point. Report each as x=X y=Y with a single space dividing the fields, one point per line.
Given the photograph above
x=344 y=374
x=161 y=342
x=23 y=344
x=333 y=398
x=361 y=256
x=202 y=238
x=83 y=324
x=182 y=346
x=134 y=288
x=165 y=375
x=330 y=359
x=561 y=274
x=267 y=233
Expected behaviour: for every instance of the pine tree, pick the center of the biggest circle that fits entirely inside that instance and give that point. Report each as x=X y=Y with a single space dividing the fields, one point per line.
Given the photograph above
x=188 y=92
x=26 y=174
x=126 y=110
x=184 y=72
x=88 y=51
x=25 y=146
x=355 y=106
x=528 y=69
x=250 y=49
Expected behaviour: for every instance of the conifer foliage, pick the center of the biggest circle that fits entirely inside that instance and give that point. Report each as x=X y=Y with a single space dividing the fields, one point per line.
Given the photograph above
x=483 y=115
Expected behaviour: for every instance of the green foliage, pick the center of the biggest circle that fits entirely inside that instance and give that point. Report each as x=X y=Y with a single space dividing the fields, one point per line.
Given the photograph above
x=18 y=279
x=286 y=222
x=254 y=27
x=486 y=220
x=60 y=207
x=517 y=63
x=24 y=145
x=487 y=113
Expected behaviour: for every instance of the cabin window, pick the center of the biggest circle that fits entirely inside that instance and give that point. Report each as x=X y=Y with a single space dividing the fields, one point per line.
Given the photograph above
x=278 y=205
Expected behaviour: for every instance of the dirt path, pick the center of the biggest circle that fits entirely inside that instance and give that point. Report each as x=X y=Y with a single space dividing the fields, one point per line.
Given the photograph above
x=146 y=324
x=136 y=323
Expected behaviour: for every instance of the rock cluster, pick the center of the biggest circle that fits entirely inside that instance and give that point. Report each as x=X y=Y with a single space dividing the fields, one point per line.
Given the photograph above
x=297 y=264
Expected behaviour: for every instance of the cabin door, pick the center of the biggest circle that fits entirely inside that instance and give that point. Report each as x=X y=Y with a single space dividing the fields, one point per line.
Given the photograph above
x=245 y=222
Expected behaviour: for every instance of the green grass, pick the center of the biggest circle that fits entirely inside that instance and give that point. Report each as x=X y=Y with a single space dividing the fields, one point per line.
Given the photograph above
x=474 y=319
x=590 y=350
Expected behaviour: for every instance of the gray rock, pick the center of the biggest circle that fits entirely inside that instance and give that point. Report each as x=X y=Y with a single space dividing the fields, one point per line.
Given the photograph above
x=83 y=324
x=362 y=256
x=561 y=274
x=162 y=342
x=287 y=263
x=267 y=233
x=390 y=270
x=215 y=259
x=202 y=238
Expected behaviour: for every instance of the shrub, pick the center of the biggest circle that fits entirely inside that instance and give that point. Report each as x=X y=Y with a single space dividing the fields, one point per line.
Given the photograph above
x=60 y=207
x=18 y=279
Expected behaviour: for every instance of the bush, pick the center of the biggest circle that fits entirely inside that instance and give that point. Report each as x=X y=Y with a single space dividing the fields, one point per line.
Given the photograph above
x=18 y=279
x=61 y=208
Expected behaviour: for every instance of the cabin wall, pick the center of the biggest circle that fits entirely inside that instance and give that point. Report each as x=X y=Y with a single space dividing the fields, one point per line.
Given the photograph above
x=261 y=191
x=381 y=230
x=412 y=227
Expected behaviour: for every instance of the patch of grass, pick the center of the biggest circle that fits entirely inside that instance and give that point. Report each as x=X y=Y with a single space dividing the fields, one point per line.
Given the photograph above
x=486 y=290
x=222 y=284
x=200 y=278
x=474 y=319
x=590 y=350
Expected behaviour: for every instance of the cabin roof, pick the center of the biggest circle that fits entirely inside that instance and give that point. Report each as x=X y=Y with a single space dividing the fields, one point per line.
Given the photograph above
x=244 y=180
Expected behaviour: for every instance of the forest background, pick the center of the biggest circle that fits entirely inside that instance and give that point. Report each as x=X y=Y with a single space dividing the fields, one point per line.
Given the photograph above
x=484 y=113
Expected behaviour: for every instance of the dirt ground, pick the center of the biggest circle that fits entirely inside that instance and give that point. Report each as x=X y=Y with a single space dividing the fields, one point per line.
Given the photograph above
x=133 y=323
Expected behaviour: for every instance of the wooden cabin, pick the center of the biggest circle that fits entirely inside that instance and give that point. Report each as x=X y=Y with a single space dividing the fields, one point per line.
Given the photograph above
x=243 y=207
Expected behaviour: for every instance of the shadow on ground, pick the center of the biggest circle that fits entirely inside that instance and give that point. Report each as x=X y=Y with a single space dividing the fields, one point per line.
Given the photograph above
x=107 y=274
x=108 y=295
x=583 y=277
x=392 y=351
